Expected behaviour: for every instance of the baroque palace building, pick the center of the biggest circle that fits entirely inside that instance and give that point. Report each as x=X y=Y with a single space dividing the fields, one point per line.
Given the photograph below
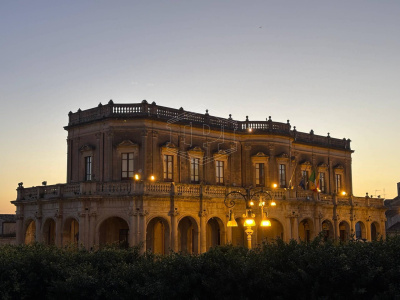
x=159 y=177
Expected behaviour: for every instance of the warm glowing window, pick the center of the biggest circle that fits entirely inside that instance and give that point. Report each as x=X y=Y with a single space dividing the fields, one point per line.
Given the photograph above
x=88 y=168
x=219 y=168
x=127 y=165
x=168 y=167
x=338 y=183
x=322 y=181
x=260 y=174
x=282 y=175
x=194 y=170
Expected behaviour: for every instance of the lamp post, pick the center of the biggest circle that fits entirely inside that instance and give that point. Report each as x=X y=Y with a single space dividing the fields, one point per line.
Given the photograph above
x=249 y=216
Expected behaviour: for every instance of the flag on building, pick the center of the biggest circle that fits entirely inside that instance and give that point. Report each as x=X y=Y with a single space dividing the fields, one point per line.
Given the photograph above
x=302 y=184
x=312 y=182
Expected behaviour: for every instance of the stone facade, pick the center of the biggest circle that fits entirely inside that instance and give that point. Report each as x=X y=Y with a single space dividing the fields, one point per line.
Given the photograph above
x=7 y=229
x=186 y=163
x=393 y=214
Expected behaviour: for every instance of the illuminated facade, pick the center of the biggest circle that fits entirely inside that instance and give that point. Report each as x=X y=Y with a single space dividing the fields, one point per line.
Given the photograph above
x=195 y=160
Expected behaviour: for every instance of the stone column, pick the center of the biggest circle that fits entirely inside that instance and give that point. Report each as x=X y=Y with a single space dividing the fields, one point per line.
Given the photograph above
x=143 y=231
x=59 y=229
x=20 y=228
x=318 y=223
x=108 y=151
x=132 y=228
x=39 y=236
x=368 y=228
x=203 y=231
x=92 y=229
x=336 y=224
x=272 y=166
x=82 y=229
x=144 y=155
x=294 y=222
x=155 y=168
x=287 y=232
x=174 y=230
x=99 y=152
x=69 y=159
x=247 y=165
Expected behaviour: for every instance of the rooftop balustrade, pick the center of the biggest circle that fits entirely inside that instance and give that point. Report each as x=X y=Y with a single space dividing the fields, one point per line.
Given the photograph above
x=179 y=116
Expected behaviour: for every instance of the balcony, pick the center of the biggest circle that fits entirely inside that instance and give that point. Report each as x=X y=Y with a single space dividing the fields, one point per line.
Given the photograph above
x=166 y=189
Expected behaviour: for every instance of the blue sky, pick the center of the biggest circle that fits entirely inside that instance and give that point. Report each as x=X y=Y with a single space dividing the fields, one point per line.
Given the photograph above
x=327 y=66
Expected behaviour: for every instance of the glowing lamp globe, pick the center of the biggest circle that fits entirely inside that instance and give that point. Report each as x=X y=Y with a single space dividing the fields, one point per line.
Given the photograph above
x=265 y=223
x=249 y=222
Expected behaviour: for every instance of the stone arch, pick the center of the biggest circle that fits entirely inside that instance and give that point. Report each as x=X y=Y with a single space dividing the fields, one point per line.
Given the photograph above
x=375 y=231
x=188 y=235
x=328 y=230
x=238 y=235
x=113 y=230
x=344 y=231
x=306 y=230
x=361 y=232
x=215 y=232
x=158 y=235
x=30 y=232
x=270 y=234
x=70 y=232
x=49 y=231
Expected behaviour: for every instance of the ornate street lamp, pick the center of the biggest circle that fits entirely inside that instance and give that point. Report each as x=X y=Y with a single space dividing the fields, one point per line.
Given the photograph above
x=249 y=216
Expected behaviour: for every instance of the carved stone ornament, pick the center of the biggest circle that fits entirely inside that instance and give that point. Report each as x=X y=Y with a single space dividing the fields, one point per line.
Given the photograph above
x=196 y=149
x=260 y=154
x=282 y=157
x=127 y=145
x=173 y=212
x=133 y=212
x=203 y=213
x=143 y=213
x=86 y=148
x=170 y=145
x=339 y=167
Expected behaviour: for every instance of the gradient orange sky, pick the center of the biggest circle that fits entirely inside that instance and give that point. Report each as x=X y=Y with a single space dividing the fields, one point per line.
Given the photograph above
x=328 y=66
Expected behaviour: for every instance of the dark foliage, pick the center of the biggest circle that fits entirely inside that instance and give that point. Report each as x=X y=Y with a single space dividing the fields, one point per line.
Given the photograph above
x=318 y=270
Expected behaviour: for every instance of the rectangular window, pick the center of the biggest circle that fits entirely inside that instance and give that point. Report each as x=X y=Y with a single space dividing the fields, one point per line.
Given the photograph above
x=304 y=176
x=338 y=183
x=260 y=175
x=282 y=175
x=219 y=168
x=127 y=165
x=168 y=167
x=88 y=168
x=322 y=182
x=194 y=170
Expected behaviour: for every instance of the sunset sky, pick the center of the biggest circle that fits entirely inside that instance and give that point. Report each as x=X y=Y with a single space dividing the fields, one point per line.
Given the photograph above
x=330 y=66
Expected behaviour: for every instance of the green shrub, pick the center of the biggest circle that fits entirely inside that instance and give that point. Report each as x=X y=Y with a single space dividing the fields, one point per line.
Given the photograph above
x=317 y=270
